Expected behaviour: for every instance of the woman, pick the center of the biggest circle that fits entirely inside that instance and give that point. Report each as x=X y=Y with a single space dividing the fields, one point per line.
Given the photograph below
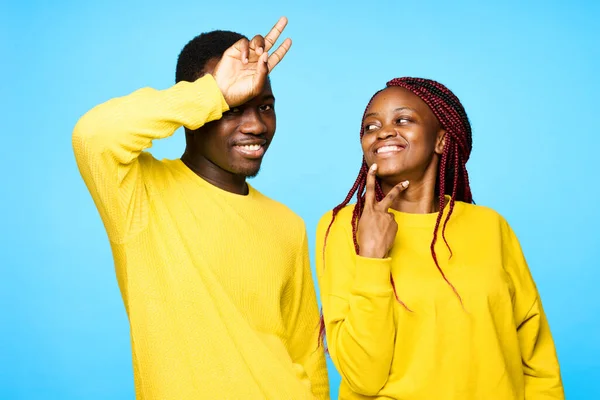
x=426 y=295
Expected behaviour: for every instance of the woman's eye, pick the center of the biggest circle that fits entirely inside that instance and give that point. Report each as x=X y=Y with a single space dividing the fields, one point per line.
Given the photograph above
x=402 y=120
x=370 y=127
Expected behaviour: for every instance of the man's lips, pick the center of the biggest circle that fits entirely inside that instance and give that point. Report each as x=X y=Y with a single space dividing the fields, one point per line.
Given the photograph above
x=251 y=149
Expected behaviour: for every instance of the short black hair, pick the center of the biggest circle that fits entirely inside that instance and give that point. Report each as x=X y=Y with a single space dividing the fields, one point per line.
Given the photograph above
x=195 y=54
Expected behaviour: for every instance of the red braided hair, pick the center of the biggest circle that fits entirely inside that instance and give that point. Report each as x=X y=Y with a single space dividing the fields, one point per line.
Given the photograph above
x=453 y=179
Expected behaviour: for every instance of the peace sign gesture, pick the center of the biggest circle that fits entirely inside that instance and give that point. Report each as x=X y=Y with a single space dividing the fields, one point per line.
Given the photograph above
x=377 y=227
x=242 y=71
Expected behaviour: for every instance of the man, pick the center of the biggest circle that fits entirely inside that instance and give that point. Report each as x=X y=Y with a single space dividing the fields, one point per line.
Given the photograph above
x=215 y=276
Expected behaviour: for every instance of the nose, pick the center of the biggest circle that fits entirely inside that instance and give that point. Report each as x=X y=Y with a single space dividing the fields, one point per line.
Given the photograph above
x=252 y=122
x=386 y=132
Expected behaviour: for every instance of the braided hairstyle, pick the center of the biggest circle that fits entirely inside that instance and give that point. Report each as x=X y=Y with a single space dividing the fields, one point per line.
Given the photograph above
x=452 y=180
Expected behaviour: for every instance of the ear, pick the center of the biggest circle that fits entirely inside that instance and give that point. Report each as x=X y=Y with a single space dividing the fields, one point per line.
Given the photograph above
x=440 y=141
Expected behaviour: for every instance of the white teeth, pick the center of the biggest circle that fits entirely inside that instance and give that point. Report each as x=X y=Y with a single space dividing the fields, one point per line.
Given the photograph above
x=251 y=147
x=387 y=149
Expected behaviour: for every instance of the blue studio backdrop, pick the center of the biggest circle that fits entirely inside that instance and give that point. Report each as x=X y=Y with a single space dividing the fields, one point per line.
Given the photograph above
x=527 y=73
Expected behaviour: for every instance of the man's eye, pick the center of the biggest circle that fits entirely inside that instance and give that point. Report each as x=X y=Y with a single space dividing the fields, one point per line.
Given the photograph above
x=266 y=107
x=232 y=111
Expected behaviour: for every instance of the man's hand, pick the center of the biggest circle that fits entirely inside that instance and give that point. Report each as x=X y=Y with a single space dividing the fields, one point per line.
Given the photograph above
x=242 y=71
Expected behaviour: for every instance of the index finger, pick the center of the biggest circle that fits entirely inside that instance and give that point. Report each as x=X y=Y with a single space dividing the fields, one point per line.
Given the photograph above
x=370 y=194
x=275 y=32
x=392 y=195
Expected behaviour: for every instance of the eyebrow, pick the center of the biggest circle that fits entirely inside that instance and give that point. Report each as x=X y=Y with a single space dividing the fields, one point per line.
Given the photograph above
x=260 y=99
x=374 y=114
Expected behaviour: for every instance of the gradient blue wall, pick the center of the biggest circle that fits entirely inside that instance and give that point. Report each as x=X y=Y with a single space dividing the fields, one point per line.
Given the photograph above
x=527 y=74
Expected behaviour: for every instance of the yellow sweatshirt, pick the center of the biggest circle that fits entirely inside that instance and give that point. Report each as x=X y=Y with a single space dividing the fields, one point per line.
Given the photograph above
x=498 y=347
x=217 y=286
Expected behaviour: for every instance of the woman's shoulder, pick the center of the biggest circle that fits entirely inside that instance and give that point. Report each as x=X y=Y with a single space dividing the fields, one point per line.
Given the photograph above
x=480 y=212
x=343 y=216
x=484 y=218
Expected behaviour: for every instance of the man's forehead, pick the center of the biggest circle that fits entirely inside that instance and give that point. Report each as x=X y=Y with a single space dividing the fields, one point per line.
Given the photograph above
x=265 y=95
x=267 y=90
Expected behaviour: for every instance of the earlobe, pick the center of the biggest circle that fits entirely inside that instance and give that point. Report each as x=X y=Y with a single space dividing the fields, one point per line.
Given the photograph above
x=440 y=142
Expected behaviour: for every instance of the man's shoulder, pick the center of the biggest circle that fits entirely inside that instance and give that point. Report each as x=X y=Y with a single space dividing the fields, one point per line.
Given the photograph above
x=157 y=172
x=279 y=212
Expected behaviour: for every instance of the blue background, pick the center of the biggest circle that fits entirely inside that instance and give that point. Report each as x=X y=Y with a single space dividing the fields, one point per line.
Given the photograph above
x=526 y=73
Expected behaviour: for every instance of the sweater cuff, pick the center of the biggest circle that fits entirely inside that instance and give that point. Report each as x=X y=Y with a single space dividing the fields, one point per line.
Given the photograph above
x=203 y=94
x=211 y=85
x=373 y=275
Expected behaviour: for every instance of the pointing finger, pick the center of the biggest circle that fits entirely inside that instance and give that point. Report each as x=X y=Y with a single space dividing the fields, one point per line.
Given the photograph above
x=393 y=194
x=370 y=194
x=274 y=34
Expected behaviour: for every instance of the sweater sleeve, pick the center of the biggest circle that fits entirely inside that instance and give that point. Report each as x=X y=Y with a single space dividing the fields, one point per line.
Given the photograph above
x=357 y=299
x=302 y=325
x=540 y=363
x=109 y=139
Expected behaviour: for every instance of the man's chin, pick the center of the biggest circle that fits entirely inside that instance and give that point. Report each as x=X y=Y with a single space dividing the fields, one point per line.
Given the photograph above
x=248 y=172
x=247 y=168
x=251 y=173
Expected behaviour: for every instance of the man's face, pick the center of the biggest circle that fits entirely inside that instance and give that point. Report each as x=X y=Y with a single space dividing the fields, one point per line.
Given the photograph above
x=237 y=142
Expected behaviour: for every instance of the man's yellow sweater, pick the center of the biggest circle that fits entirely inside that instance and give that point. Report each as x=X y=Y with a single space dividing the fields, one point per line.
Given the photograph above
x=217 y=286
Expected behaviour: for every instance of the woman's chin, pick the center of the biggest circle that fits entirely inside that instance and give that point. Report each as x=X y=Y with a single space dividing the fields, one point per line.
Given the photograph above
x=392 y=179
x=390 y=173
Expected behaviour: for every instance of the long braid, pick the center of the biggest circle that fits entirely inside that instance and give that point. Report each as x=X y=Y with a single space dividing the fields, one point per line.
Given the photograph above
x=452 y=173
x=453 y=118
x=360 y=181
x=454 y=188
x=357 y=183
x=442 y=201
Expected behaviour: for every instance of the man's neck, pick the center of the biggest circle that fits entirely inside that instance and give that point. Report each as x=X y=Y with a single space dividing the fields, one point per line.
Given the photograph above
x=215 y=175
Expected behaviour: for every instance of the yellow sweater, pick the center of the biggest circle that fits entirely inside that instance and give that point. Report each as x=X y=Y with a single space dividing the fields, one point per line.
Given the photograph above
x=498 y=347
x=217 y=286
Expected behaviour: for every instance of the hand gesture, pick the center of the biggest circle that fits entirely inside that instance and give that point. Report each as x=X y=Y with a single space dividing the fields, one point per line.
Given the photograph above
x=242 y=71
x=377 y=227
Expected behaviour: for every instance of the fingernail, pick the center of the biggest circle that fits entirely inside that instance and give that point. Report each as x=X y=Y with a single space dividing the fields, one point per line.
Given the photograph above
x=405 y=184
x=373 y=167
x=259 y=51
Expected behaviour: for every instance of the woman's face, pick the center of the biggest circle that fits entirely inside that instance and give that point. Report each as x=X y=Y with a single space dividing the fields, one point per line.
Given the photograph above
x=402 y=135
